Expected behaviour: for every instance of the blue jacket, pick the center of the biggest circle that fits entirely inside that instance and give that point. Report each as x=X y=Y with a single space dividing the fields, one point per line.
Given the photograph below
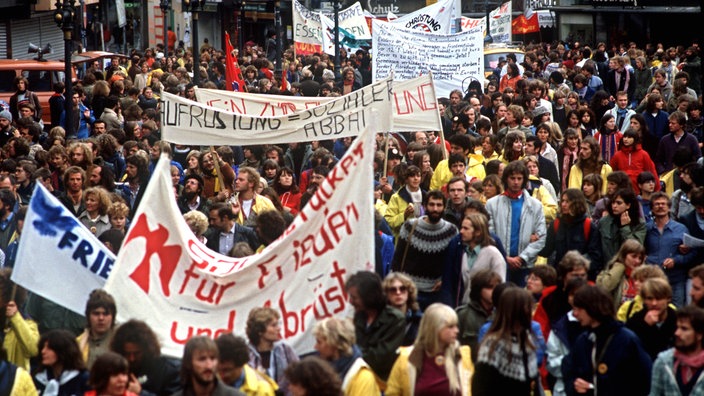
x=659 y=247
x=623 y=368
x=657 y=128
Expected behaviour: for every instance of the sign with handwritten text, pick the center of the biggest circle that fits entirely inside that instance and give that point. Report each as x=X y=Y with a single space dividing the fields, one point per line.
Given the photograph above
x=188 y=122
x=58 y=258
x=165 y=276
x=414 y=104
x=455 y=59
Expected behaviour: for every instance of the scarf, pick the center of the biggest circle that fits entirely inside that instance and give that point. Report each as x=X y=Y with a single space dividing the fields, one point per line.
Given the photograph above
x=52 y=385
x=513 y=196
x=607 y=142
x=620 y=117
x=216 y=186
x=344 y=363
x=567 y=161
x=688 y=364
x=621 y=81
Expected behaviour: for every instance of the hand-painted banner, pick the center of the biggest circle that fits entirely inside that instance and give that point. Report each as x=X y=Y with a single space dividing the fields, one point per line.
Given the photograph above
x=308 y=30
x=187 y=122
x=469 y=23
x=435 y=18
x=56 y=248
x=500 y=23
x=455 y=60
x=165 y=276
x=414 y=104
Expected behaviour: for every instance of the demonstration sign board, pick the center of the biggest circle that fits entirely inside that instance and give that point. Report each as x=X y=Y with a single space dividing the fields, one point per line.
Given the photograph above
x=435 y=18
x=165 y=276
x=308 y=30
x=455 y=60
x=192 y=123
x=54 y=246
x=500 y=23
x=414 y=104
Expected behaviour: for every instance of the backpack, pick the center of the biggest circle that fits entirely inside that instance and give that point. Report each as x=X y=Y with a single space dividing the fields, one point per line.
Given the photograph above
x=587 y=226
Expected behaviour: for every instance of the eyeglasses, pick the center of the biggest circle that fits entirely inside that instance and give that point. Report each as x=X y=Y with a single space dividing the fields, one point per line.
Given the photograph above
x=395 y=290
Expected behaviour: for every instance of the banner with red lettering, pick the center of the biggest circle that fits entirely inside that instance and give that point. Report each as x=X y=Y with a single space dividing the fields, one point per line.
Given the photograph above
x=188 y=122
x=435 y=18
x=308 y=30
x=414 y=104
x=166 y=277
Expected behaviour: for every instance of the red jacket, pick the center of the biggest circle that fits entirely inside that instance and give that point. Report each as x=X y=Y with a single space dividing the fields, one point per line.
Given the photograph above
x=633 y=161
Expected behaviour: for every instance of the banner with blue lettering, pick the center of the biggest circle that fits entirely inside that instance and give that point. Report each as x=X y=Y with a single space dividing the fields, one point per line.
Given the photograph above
x=59 y=258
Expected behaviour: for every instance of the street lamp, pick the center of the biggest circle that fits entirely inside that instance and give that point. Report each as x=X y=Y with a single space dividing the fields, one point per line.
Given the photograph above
x=165 y=5
x=277 y=25
x=65 y=16
x=336 y=9
x=193 y=6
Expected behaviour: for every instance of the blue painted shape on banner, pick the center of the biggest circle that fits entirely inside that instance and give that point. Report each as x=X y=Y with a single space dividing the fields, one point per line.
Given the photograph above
x=52 y=220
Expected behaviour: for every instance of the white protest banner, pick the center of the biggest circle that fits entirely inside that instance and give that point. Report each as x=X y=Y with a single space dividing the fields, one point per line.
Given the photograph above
x=469 y=23
x=500 y=23
x=328 y=34
x=455 y=60
x=435 y=18
x=165 y=276
x=56 y=246
x=187 y=122
x=414 y=104
x=308 y=31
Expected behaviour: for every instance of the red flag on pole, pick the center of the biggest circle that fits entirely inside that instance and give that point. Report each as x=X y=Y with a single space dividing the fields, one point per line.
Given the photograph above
x=285 y=86
x=233 y=74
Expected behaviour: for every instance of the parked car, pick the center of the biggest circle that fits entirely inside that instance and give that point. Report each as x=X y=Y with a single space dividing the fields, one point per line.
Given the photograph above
x=42 y=75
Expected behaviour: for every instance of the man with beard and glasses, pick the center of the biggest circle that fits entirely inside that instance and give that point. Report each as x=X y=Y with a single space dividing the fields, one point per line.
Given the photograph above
x=679 y=370
x=519 y=222
x=192 y=196
x=198 y=370
x=421 y=248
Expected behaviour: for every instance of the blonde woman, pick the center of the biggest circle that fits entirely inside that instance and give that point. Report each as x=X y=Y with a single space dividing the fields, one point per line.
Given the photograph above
x=436 y=363
x=335 y=342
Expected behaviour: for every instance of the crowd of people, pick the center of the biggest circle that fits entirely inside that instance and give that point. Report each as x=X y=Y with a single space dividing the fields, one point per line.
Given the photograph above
x=549 y=239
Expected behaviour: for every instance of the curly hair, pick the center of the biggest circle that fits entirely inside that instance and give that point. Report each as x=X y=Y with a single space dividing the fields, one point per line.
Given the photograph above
x=136 y=332
x=257 y=321
x=412 y=301
x=316 y=376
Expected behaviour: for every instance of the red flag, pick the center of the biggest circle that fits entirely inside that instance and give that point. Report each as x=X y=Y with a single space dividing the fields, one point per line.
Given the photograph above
x=233 y=74
x=285 y=86
x=521 y=25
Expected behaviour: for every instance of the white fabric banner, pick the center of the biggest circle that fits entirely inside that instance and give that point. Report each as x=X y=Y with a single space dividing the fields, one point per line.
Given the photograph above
x=414 y=104
x=168 y=278
x=455 y=60
x=187 y=122
x=500 y=23
x=328 y=31
x=308 y=31
x=435 y=18
x=55 y=247
x=469 y=23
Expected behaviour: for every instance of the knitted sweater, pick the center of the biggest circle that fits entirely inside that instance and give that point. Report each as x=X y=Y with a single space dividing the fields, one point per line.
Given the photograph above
x=423 y=257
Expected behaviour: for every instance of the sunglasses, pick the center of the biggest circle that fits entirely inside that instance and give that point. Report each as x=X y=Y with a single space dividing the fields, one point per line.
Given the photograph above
x=393 y=289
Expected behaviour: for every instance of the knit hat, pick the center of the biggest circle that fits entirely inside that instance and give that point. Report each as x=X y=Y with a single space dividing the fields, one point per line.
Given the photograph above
x=540 y=110
x=6 y=115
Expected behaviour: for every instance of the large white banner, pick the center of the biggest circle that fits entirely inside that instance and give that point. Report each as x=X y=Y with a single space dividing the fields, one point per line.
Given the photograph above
x=455 y=60
x=168 y=278
x=500 y=23
x=187 y=122
x=414 y=104
x=58 y=258
x=308 y=30
x=469 y=23
x=435 y=18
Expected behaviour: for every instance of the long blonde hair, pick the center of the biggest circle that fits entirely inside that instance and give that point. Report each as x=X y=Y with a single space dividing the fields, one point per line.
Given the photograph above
x=436 y=317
